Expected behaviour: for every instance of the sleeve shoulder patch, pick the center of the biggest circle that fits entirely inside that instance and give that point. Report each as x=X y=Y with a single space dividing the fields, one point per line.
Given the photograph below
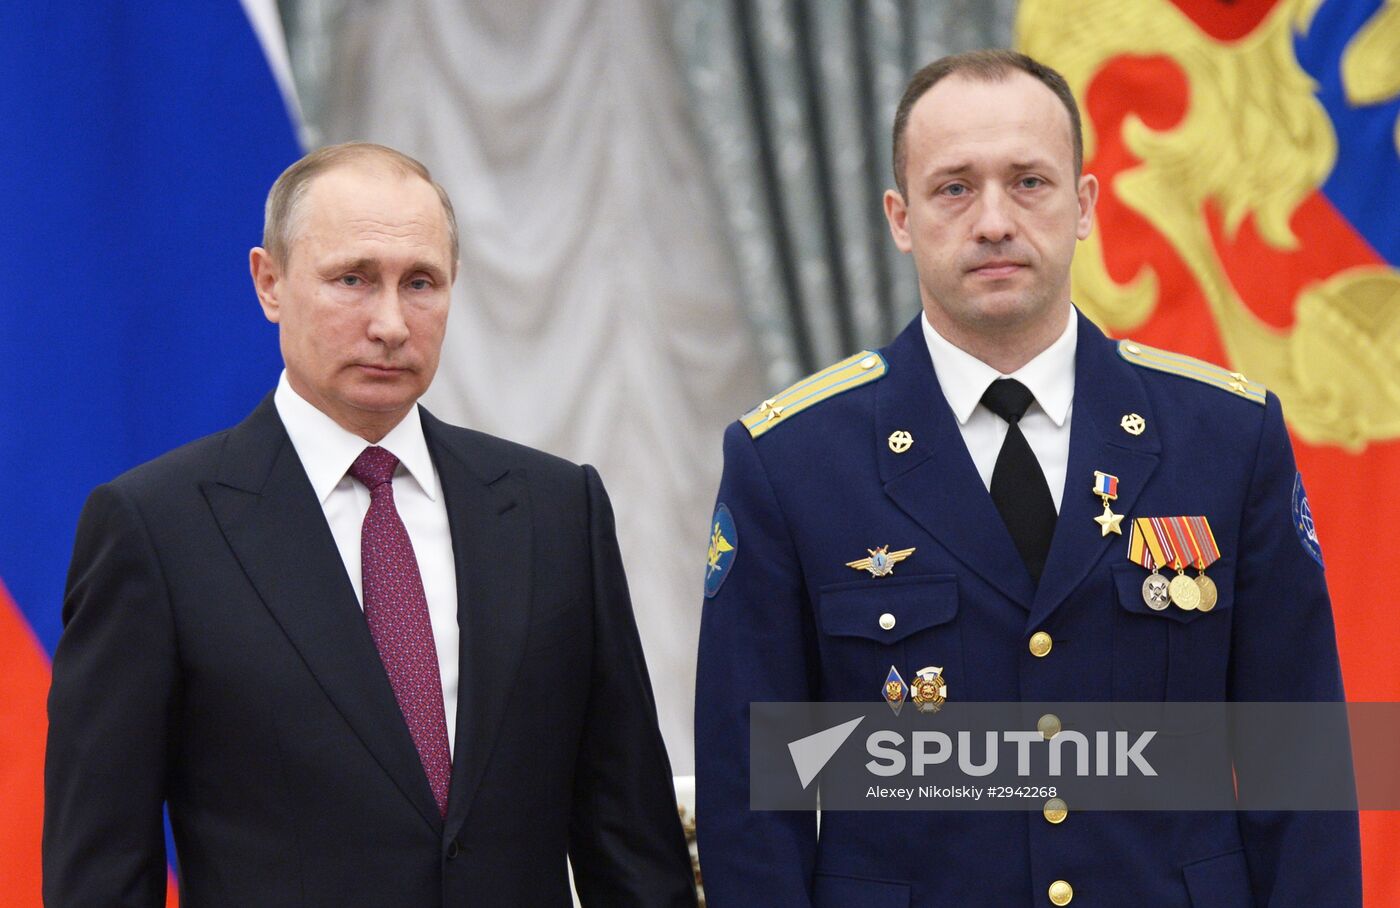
x=724 y=548
x=1303 y=521
x=1189 y=367
x=851 y=372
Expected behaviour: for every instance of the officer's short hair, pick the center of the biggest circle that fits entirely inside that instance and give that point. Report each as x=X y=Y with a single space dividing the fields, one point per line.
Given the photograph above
x=982 y=66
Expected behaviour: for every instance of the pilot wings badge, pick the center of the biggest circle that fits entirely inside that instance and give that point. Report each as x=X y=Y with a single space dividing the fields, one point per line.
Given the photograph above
x=881 y=561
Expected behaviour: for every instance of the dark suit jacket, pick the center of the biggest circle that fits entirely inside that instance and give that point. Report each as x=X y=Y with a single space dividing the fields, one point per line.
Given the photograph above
x=214 y=658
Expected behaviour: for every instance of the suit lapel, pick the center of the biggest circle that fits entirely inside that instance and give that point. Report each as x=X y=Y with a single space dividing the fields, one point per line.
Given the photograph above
x=1105 y=390
x=488 y=512
x=276 y=528
x=935 y=482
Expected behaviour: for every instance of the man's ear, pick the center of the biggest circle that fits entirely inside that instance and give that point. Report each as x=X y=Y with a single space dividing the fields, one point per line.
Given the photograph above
x=267 y=277
x=897 y=213
x=1088 y=197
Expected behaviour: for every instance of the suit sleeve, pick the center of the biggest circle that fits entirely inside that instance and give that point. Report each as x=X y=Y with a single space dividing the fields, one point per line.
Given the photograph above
x=755 y=645
x=110 y=706
x=625 y=837
x=1285 y=649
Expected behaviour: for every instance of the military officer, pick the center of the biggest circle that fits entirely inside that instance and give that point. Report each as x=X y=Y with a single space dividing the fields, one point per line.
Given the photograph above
x=969 y=498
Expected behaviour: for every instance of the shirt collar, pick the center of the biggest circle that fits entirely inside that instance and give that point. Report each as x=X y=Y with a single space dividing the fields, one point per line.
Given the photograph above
x=327 y=449
x=964 y=378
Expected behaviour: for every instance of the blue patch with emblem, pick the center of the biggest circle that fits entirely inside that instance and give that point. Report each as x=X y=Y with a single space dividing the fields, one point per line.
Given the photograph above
x=1303 y=521
x=724 y=546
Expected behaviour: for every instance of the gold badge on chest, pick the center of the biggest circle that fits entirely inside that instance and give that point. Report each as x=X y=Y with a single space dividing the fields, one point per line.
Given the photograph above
x=881 y=561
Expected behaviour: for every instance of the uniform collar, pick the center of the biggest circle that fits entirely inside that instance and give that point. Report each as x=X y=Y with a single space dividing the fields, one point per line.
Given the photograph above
x=327 y=450
x=964 y=378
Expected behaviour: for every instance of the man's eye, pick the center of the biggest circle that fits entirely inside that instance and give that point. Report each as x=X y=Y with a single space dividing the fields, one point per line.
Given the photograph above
x=420 y=283
x=1032 y=182
x=351 y=280
x=955 y=190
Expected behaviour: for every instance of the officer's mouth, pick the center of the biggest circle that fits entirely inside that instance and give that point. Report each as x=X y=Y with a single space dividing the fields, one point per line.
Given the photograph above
x=996 y=269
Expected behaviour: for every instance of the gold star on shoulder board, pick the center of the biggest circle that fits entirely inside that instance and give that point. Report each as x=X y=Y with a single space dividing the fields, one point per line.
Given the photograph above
x=1108 y=521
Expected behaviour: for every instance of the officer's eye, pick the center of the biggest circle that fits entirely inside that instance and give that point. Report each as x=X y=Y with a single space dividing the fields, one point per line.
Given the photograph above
x=420 y=283
x=1031 y=182
x=351 y=280
x=954 y=190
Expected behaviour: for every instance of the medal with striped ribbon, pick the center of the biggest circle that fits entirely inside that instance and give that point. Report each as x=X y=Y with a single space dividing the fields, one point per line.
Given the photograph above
x=1145 y=548
x=1203 y=546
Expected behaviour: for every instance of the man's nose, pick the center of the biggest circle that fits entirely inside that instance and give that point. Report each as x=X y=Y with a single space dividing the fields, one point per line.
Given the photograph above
x=994 y=221
x=387 y=323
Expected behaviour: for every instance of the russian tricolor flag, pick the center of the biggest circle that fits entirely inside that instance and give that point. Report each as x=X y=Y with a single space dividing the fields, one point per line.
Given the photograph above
x=137 y=142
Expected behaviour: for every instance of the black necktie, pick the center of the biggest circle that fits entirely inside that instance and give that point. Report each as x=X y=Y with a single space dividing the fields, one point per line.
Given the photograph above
x=1018 y=484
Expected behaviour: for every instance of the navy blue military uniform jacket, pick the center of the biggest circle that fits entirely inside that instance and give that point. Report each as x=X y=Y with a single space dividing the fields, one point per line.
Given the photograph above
x=811 y=483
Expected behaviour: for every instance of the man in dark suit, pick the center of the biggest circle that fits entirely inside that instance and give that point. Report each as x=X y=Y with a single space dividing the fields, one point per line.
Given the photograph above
x=364 y=657
x=959 y=505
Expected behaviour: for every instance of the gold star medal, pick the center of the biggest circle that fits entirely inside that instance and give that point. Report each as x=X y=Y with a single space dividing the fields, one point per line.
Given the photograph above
x=881 y=561
x=1106 y=487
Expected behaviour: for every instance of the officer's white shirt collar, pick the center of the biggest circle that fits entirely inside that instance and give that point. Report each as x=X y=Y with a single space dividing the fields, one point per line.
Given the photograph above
x=327 y=450
x=964 y=378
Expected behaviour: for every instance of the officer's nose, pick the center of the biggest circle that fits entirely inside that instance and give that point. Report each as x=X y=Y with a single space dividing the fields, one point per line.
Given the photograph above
x=994 y=221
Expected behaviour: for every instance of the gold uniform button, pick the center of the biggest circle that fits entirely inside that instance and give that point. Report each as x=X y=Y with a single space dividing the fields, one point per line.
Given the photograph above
x=1055 y=810
x=869 y=362
x=1134 y=349
x=1049 y=725
x=1061 y=893
x=1041 y=643
x=887 y=621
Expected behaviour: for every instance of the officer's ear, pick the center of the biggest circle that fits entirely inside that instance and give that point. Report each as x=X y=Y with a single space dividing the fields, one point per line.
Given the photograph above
x=267 y=278
x=1088 y=197
x=897 y=213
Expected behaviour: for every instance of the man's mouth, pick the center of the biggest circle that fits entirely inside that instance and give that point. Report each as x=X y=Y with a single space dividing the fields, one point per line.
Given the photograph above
x=997 y=268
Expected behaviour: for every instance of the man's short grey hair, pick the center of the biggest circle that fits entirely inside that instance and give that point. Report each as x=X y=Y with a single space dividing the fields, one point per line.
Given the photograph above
x=282 y=214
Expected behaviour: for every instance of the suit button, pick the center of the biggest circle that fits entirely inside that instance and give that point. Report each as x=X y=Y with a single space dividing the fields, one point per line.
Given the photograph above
x=1055 y=811
x=1041 y=643
x=887 y=621
x=1049 y=725
x=1061 y=892
x=453 y=849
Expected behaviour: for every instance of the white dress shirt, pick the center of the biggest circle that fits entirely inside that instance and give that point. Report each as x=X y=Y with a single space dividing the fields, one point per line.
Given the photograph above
x=1049 y=376
x=326 y=451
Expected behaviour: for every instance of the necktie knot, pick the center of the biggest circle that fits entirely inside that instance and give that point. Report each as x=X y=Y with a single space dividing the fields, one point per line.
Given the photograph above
x=1008 y=398
x=374 y=467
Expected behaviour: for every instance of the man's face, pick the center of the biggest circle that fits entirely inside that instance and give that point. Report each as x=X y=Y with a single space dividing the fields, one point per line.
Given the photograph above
x=992 y=206
x=362 y=297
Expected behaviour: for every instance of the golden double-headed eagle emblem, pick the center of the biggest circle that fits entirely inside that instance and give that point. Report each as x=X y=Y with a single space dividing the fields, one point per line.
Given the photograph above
x=1249 y=150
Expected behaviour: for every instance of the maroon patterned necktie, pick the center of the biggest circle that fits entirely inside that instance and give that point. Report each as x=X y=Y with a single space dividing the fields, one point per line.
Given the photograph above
x=397 y=612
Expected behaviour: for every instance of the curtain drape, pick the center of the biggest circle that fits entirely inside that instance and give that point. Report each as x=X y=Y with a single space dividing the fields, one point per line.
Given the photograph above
x=794 y=101
x=668 y=209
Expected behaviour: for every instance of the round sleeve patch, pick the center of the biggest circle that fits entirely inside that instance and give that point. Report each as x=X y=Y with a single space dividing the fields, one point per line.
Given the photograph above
x=724 y=546
x=1303 y=520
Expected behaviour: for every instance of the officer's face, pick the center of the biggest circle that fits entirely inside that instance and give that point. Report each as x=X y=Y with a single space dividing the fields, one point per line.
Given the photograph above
x=362 y=299
x=993 y=207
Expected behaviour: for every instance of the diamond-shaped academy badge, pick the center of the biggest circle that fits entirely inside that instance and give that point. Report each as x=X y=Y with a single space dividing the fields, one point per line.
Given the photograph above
x=895 y=690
